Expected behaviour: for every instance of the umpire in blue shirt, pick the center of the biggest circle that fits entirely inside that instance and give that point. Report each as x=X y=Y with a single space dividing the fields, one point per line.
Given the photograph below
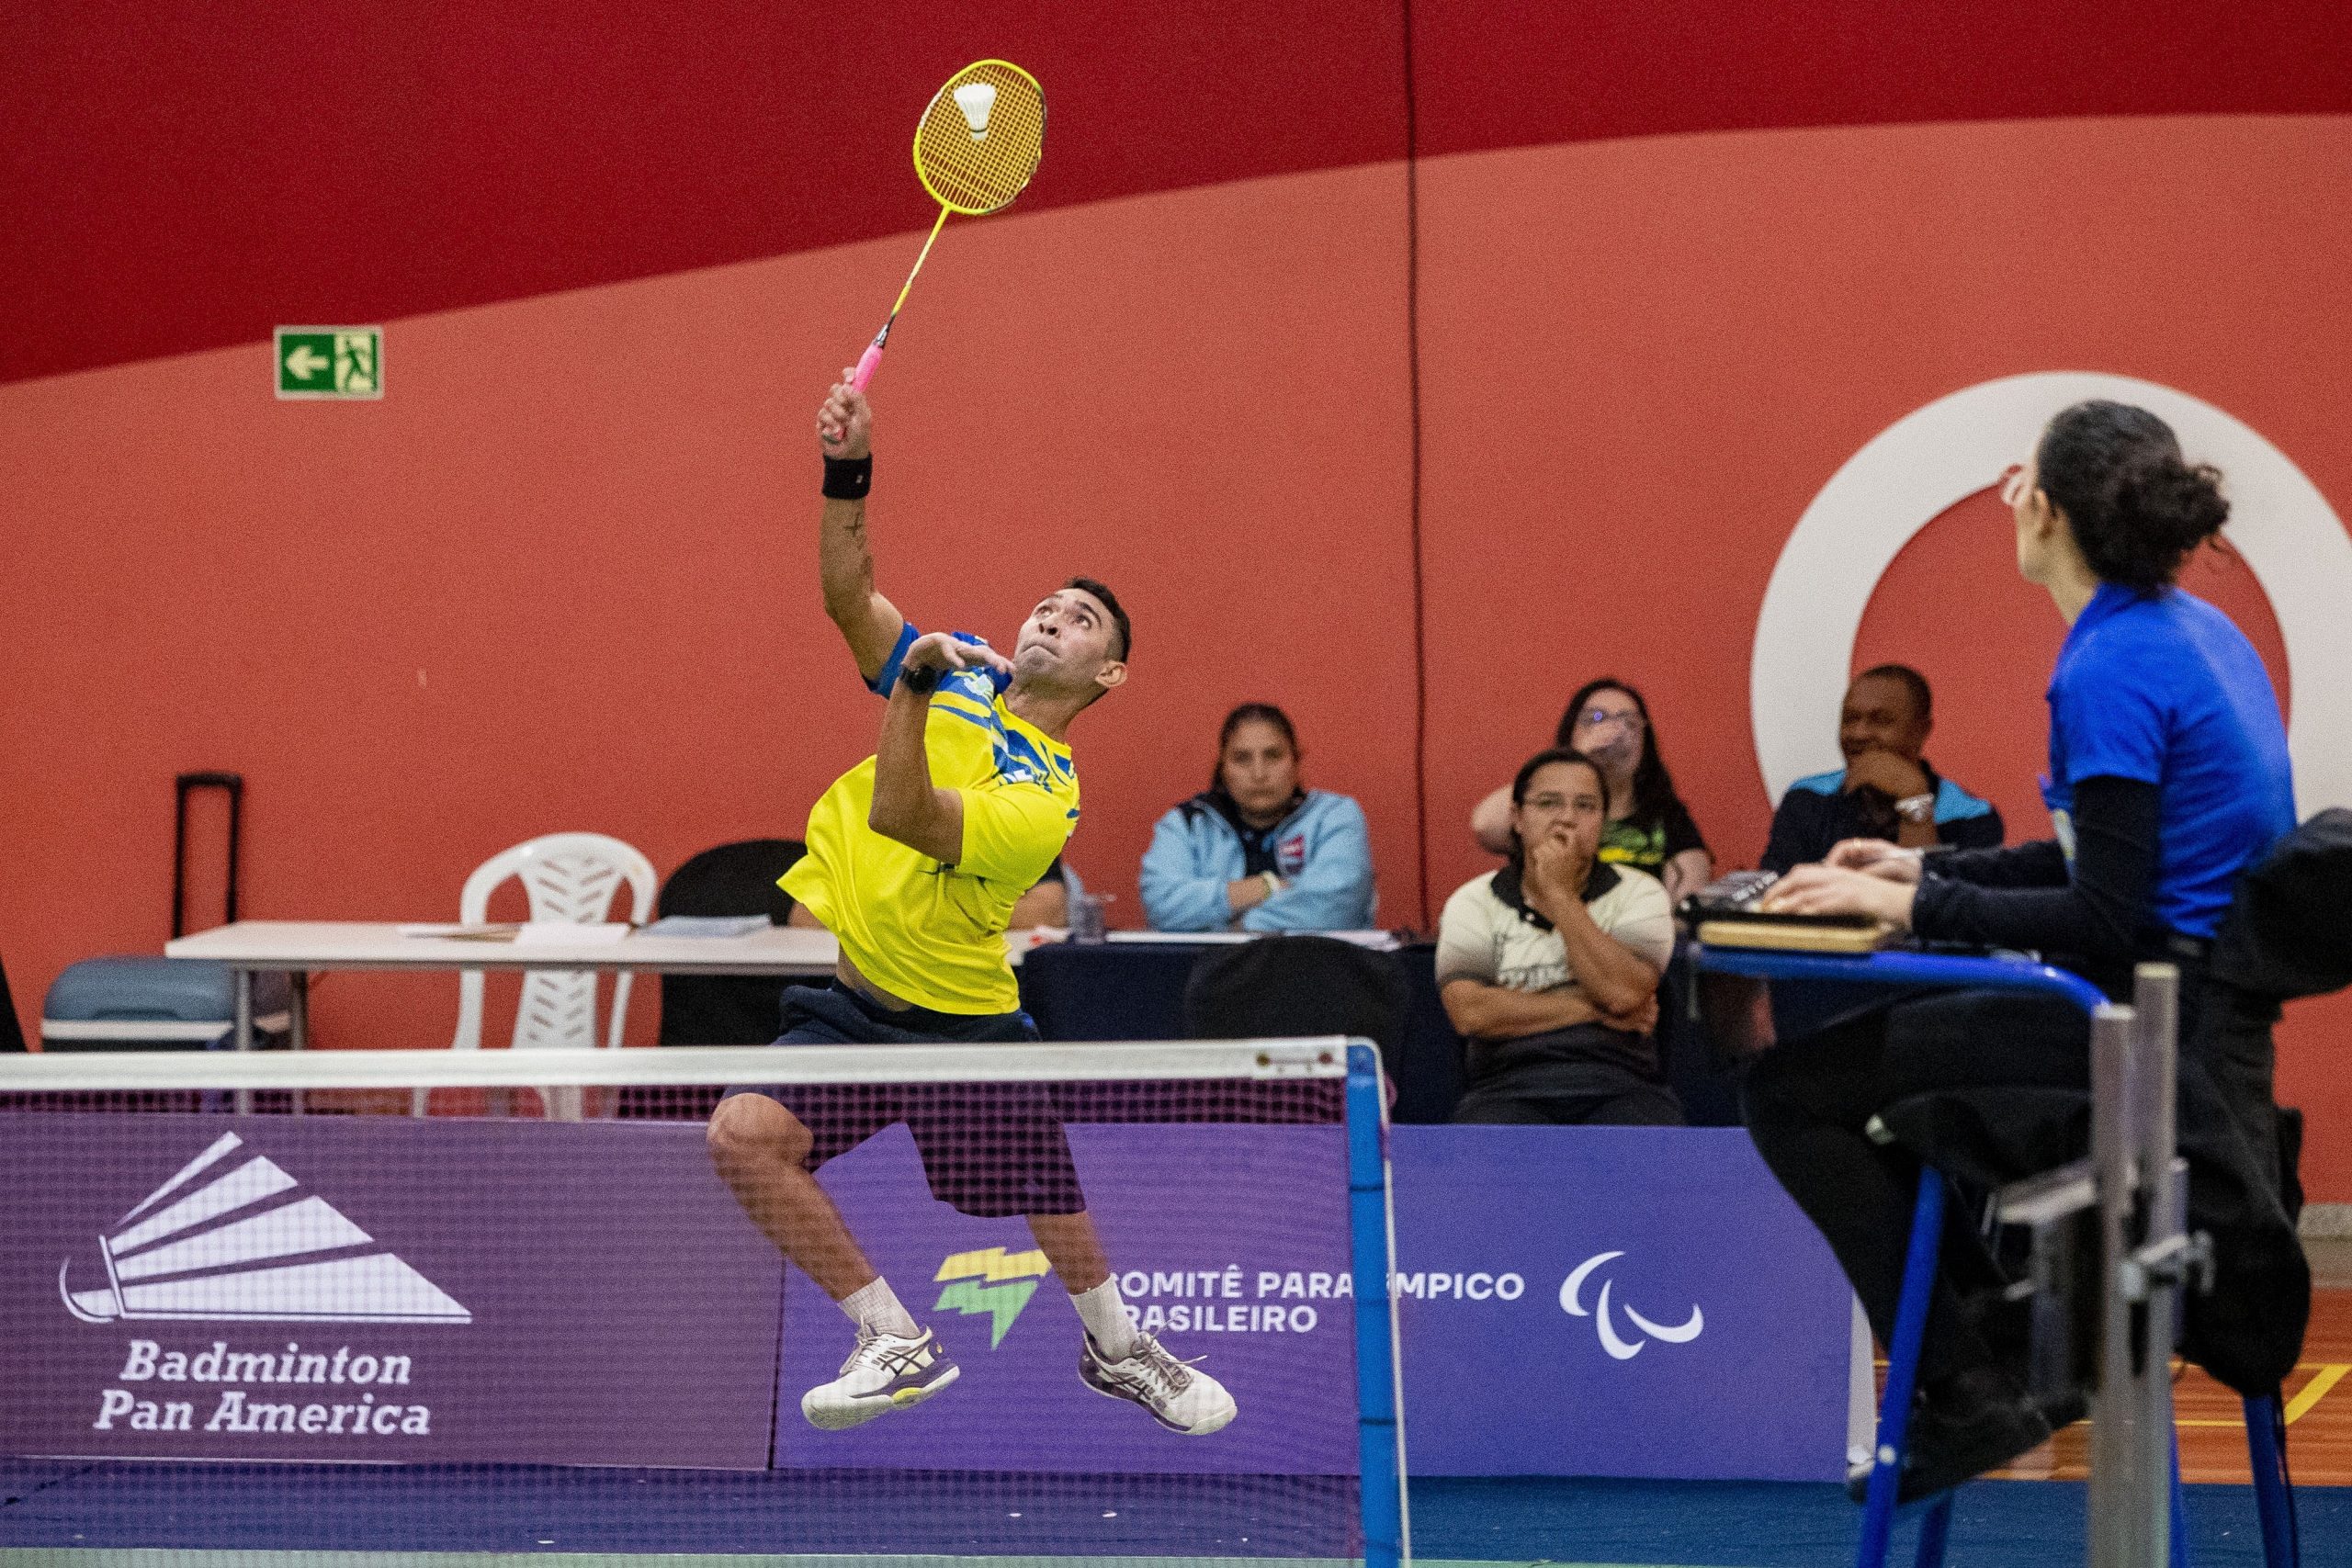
x=2169 y=776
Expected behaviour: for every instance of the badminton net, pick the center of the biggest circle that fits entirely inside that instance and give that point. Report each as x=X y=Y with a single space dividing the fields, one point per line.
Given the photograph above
x=256 y=1311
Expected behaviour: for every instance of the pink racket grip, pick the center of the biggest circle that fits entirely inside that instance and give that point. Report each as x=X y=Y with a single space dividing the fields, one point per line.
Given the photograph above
x=867 y=363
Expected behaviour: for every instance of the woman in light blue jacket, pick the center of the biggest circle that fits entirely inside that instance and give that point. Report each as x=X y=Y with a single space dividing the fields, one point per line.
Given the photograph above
x=1255 y=851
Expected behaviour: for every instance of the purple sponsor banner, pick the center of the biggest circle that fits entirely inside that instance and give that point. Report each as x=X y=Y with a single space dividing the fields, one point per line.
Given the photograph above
x=379 y=1289
x=1230 y=1242
x=1613 y=1300
x=1573 y=1301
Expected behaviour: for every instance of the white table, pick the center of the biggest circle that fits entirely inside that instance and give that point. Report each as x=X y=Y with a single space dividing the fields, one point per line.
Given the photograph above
x=302 y=948
x=299 y=949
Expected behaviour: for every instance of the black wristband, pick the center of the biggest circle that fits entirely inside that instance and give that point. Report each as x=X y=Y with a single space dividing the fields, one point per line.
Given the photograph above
x=921 y=680
x=848 y=479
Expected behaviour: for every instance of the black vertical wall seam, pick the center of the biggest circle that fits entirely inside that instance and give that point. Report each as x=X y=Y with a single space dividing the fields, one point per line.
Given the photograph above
x=1413 y=400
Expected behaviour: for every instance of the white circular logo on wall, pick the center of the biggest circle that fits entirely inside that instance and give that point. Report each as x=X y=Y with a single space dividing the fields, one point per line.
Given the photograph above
x=1935 y=456
x=1620 y=1349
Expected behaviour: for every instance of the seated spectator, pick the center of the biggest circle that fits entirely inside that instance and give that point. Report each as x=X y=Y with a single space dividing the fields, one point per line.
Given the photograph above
x=1047 y=904
x=1255 y=851
x=1648 y=828
x=1886 y=790
x=1549 y=967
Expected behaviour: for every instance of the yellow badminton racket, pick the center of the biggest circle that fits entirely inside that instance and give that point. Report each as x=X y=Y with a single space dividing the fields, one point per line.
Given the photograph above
x=976 y=147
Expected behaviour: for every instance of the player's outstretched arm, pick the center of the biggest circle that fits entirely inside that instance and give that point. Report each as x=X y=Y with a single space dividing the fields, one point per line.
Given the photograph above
x=869 y=623
x=907 y=805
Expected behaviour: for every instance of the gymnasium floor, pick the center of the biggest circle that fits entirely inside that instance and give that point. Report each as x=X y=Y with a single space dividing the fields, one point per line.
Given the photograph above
x=256 y=1520
x=1690 y=1525
x=2212 y=1436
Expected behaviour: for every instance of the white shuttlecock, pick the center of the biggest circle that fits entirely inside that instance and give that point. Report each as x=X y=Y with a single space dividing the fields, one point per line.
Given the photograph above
x=976 y=99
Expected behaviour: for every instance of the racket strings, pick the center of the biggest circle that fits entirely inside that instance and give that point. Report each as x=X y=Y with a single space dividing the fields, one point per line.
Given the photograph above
x=981 y=140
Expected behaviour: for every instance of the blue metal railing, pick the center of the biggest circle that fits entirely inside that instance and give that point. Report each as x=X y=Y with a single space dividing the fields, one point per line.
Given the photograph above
x=1943 y=970
x=1380 y=1432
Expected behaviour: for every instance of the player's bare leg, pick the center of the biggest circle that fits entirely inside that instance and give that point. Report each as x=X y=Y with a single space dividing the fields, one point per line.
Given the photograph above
x=759 y=1148
x=1115 y=1357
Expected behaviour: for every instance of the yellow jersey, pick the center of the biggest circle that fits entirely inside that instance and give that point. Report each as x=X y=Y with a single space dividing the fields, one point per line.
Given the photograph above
x=930 y=934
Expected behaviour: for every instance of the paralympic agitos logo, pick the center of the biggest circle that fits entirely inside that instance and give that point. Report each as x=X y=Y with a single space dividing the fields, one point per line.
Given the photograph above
x=1620 y=1348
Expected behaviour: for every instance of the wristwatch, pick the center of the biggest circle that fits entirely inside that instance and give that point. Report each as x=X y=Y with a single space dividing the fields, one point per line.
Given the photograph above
x=1916 y=808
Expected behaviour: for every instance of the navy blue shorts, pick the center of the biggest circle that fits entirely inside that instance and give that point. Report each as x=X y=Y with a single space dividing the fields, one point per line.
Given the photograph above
x=989 y=1150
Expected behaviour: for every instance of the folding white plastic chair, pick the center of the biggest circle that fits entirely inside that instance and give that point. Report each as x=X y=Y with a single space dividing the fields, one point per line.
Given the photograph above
x=568 y=876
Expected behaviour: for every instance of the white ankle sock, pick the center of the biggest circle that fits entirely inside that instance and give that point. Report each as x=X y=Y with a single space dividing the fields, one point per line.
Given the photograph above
x=1106 y=1320
x=876 y=1306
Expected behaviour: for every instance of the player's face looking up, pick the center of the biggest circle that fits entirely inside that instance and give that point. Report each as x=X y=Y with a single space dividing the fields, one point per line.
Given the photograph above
x=1259 y=771
x=1068 y=644
x=1563 y=799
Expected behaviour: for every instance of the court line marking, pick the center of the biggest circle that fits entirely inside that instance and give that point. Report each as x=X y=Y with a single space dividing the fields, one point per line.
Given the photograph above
x=2311 y=1394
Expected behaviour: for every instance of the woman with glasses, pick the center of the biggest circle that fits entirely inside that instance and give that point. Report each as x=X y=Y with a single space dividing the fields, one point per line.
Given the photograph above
x=2169 y=776
x=1648 y=828
x=1550 y=967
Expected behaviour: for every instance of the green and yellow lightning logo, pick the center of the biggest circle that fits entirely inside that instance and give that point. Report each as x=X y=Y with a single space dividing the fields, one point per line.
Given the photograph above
x=993 y=1282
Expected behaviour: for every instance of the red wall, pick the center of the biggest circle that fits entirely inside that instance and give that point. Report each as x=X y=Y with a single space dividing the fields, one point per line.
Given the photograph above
x=563 y=576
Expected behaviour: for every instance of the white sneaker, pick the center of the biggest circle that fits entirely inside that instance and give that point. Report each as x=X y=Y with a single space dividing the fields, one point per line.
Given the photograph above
x=1180 y=1396
x=884 y=1373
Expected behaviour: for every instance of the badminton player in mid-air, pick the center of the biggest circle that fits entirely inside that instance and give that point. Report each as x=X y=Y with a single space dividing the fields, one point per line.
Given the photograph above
x=916 y=857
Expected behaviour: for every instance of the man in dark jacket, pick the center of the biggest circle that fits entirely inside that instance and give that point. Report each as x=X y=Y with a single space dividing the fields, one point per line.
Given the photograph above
x=1886 y=790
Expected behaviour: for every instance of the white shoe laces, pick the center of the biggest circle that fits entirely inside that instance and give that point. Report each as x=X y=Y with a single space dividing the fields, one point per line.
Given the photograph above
x=1168 y=1375
x=872 y=1352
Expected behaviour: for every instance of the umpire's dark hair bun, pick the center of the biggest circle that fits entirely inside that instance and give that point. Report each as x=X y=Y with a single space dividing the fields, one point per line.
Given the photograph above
x=2137 y=507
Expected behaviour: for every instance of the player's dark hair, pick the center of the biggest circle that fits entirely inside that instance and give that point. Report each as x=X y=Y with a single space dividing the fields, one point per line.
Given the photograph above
x=2136 y=505
x=1536 y=765
x=1910 y=679
x=1118 y=613
x=1653 y=785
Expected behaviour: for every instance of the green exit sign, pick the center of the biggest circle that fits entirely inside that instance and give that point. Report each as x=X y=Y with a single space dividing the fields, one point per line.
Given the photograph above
x=330 y=361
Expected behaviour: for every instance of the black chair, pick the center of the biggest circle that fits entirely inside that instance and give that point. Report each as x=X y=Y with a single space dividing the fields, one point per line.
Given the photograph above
x=1703 y=1077
x=1430 y=1069
x=732 y=879
x=1279 y=986
x=12 y=1036
x=1094 y=991
x=717 y=1009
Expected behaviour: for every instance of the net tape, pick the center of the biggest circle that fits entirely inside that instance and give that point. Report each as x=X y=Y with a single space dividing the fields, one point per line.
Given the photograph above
x=130 y=1071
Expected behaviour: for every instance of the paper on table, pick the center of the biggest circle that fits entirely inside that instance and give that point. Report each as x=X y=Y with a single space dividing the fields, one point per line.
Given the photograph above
x=1378 y=941
x=569 y=934
x=465 y=933
x=709 y=925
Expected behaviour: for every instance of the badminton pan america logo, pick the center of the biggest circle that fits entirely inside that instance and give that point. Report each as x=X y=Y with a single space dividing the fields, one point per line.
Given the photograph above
x=993 y=1282
x=231 y=1237
x=1620 y=1348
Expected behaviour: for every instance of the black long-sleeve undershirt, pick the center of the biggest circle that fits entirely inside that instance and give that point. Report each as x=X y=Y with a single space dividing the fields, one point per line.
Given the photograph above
x=2097 y=919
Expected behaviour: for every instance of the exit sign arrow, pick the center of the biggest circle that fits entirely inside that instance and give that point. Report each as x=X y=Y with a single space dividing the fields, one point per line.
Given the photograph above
x=330 y=363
